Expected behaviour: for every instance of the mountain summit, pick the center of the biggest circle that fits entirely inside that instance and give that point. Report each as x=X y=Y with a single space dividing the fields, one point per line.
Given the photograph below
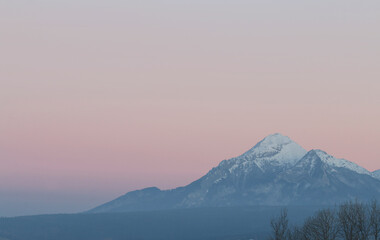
x=274 y=149
x=276 y=171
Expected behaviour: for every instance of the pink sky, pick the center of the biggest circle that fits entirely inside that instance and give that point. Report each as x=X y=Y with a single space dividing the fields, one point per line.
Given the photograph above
x=101 y=97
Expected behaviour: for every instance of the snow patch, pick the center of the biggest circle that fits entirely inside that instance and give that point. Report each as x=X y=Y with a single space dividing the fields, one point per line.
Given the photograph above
x=376 y=174
x=340 y=163
x=277 y=149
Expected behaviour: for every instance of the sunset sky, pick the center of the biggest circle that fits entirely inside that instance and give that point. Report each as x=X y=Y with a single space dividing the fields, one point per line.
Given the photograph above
x=98 y=98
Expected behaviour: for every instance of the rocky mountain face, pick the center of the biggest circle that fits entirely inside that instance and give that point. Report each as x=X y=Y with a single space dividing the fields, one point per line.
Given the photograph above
x=276 y=171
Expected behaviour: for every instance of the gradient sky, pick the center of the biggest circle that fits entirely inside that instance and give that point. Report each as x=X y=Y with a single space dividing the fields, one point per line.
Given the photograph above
x=98 y=98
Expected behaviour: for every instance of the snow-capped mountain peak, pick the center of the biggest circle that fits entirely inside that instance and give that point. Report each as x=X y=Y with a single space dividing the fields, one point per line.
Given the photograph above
x=275 y=148
x=275 y=139
x=276 y=171
x=338 y=163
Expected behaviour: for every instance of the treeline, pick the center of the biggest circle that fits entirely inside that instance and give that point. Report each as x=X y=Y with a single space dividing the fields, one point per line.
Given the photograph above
x=348 y=221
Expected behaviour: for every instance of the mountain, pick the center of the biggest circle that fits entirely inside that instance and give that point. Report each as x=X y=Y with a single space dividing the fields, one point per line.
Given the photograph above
x=276 y=171
x=376 y=174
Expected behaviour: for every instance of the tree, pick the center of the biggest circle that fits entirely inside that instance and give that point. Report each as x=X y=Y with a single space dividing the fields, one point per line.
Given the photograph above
x=350 y=221
x=296 y=233
x=322 y=226
x=354 y=221
x=279 y=226
x=375 y=220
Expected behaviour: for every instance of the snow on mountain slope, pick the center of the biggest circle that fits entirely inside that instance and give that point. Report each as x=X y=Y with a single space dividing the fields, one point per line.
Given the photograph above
x=376 y=174
x=274 y=150
x=340 y=163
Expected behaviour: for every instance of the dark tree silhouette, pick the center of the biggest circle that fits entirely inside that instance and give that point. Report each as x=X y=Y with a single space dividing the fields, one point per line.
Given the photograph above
x=349 y=221
x=354 y=221
x=296 y=233
x=375 y=220
x=322 y=226
x=280 y=226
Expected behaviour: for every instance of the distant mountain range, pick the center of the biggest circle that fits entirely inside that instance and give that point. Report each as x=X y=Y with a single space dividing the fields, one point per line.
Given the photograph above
x=275 y=172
